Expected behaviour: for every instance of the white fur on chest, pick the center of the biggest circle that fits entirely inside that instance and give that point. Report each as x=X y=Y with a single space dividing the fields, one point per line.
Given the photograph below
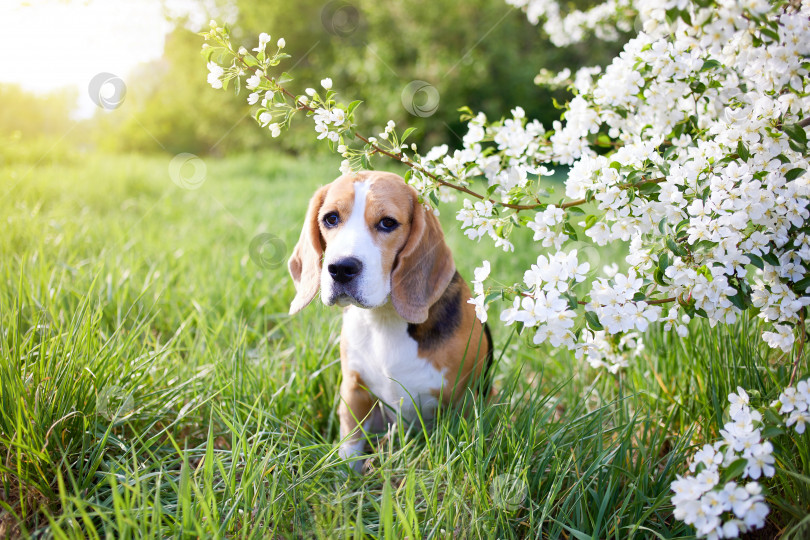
x=380 y=350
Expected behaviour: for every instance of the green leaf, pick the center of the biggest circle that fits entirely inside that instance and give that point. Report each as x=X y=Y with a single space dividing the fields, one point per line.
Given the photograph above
x=434 y=198
x=674 y=247
x=770 y=33
x=755 y=260
x=352 y=106
x=576 y=210
x=407 y=133
x=772 y=431
x=734 y=470
x=658 y=276
x=796 y=133
x=802 y=284
x=771 y=417
x=738 y=300
x=793 y=174
x=710 y=64
x=771 y=259
x=603 y=141
x=572 y=300
x=649 y=188
x=569 y=230
x=663 y=261
x=593 y=321
x=284 y=78
x=465 y=110
x=742 y=151
x=797 y=146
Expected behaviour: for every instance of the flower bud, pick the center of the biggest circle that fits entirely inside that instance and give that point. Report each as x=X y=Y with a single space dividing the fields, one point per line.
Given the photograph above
x=326 y=83
x=281 y=43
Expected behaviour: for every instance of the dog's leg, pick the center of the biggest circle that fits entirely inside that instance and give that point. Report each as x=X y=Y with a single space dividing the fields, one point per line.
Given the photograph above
x=356 y=405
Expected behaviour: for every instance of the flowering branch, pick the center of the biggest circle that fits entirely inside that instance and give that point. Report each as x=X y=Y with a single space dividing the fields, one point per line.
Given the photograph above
x=686 y=150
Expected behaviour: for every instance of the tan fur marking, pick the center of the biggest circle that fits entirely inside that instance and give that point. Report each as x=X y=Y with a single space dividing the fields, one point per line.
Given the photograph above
x=356 y=403
x=461 y=370
x=389 y=197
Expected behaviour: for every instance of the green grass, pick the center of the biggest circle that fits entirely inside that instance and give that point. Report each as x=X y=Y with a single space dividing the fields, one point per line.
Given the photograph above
x=152 y=384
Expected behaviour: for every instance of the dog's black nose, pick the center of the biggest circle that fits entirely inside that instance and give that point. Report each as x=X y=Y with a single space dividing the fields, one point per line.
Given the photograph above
x=345 y=270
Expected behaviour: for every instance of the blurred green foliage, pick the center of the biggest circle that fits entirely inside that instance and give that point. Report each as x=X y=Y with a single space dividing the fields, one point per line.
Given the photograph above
x=478 y=53
x=33 y=125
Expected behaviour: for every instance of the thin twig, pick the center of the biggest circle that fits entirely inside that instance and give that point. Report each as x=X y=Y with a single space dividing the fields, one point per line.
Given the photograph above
x=415 y=166
x=649 y=302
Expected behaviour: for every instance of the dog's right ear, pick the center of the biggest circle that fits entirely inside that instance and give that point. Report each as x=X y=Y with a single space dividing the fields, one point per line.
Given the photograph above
x=305 y=263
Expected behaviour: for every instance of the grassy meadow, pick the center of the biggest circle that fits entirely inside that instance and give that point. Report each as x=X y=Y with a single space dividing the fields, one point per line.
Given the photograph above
x=152 y=384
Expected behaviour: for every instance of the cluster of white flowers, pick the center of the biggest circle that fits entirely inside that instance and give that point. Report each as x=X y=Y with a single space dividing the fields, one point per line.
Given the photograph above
x=613 y=353
x=703 y=116
x=543 y=302
x=725 y=509
x=324 y=119
x=794 y=403
x=604 y=20
x=690 y=148
x=479 y=220
x=481 y=273
x=215 y=73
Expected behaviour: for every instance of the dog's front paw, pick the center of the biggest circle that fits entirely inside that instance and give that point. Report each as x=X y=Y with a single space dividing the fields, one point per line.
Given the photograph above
x=350 y=452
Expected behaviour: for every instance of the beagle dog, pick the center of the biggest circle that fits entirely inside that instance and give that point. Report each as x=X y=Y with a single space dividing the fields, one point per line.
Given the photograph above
x=410 y=340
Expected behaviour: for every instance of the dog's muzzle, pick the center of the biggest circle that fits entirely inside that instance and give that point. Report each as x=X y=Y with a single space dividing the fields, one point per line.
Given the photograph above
x=345 y=270
x=345 y=274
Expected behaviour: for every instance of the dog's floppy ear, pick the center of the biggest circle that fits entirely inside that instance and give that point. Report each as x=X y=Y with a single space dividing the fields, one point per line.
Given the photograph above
x=424 y=267
x=305 y=263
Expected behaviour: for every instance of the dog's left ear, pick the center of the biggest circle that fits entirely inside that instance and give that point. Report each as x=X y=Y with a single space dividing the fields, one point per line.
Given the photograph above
x=305 y=263
x=424 y=267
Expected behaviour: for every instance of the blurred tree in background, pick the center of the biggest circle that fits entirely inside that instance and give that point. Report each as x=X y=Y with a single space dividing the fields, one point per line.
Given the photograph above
x=478 y=53
x=31 y=125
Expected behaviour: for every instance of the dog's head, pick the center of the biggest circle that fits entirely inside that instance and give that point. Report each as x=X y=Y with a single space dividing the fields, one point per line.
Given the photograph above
x=366 y=239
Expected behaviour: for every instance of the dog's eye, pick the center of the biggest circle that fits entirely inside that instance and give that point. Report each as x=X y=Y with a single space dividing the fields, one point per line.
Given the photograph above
x=387 y=224
x=331 y=219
